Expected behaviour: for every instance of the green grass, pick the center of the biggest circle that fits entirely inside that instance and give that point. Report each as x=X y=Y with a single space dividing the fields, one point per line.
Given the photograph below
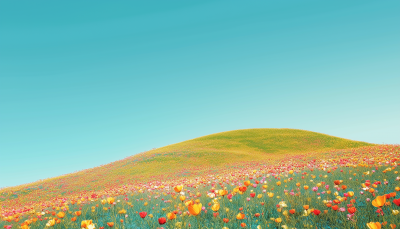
x=190 y=157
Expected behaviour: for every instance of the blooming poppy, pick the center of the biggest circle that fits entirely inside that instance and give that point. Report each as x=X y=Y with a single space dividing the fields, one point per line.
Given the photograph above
x=195 y=209
x=374 y=225
x=240 y=216
x=87 y=224
x=110 y=200
x=110 y=224
x=162 y=220
x=60 y=215
x=178 y=188
x=379 y=201
x=215 y=207
x=317 y=212
x=143 y=214
x=351 y=210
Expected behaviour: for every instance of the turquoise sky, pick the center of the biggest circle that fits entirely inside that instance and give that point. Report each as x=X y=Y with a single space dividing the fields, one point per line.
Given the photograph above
x=84 y=83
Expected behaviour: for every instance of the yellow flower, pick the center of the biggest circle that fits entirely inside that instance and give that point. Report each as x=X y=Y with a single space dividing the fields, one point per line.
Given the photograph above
x=222 y=192
x=87 y=224
x=240 y=216
x=395 y=212
x=278 y=220
x=110 y=200
x=123 y=211
x=61 y=215
x=178 y=188
x=215 y=207
x=195 y=209
x=379 y=201
x=51 y=223
x=373 y=225
x=171 y=216
x=270 y=194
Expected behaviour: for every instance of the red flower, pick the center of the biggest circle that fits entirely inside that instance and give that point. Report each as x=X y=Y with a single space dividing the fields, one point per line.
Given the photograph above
x=226 y=220
x=397 y=202
x=162 y=220
x=351 y=210
x=317 y=212
x=252 y=195
x=142 y=214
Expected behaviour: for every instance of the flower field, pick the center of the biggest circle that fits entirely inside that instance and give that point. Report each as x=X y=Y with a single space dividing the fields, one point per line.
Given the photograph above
x=353 y=188
x=313 y=185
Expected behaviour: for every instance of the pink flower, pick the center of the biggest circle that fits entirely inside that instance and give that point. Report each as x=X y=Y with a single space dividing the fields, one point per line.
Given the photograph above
x=8 y=226
x=342 y=209
x=315 y=189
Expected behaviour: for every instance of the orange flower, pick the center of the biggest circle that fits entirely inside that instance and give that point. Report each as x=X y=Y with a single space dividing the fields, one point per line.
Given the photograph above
x=195 y=209
x=247 y=183
x=337 y=182
x=215 y=207
x=305 y=187
x=61 y=215
x=87 y=224
x=306 y=207
x=73 y=219
x=374 y=225
x=182 y=198
x=379 y=201
x=110 y=224
x=240 y=216
x=78 y=213
x=223 y=192
x=171 y=216
x=178 y=188
x=292 y=211
x=110 y=200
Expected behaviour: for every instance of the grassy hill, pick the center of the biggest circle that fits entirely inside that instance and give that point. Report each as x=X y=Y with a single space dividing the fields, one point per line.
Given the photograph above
x=185 y=159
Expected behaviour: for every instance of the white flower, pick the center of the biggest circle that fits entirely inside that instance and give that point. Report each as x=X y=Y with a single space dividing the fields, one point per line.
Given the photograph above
x=282 y=204
x=211 y=195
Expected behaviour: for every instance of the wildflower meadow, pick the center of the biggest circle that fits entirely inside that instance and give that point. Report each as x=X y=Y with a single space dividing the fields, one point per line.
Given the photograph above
x=348 y=188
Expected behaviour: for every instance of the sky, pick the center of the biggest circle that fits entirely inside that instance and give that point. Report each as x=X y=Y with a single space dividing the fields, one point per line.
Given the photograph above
x=85 y=83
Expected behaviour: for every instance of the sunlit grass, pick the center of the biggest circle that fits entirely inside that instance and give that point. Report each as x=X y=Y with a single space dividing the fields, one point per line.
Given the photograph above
x=217 y=156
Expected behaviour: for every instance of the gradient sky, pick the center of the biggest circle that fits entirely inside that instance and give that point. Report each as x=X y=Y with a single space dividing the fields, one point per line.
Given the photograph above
x=85 y=83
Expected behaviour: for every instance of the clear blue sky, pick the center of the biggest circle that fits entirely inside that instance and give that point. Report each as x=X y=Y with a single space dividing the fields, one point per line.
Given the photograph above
x=84 y=83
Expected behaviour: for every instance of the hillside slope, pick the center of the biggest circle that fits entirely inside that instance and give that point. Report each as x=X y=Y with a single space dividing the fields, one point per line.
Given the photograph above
x=185 y=159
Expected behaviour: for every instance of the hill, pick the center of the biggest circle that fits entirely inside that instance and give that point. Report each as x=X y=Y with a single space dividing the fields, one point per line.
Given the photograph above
x=182 y=160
